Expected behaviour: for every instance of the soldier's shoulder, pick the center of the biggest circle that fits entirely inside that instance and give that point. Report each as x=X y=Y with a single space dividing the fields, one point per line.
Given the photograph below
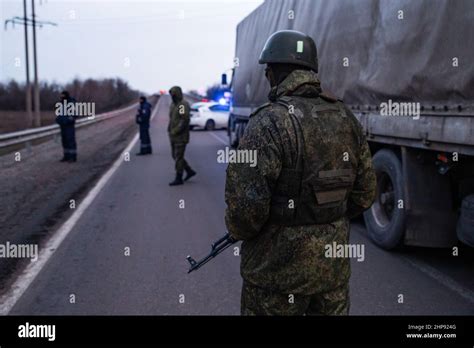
x=333 y=102
x=259 y=110
x=270 y=108
x=330 y=98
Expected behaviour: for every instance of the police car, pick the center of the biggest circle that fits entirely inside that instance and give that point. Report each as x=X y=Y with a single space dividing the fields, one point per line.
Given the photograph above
x=209 y=115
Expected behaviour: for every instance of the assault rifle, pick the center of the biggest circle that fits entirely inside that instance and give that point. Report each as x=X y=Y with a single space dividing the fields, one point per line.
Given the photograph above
x=216 y=248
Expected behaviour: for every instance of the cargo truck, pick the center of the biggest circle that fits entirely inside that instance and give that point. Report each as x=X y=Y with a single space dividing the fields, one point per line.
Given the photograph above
x=405 y=68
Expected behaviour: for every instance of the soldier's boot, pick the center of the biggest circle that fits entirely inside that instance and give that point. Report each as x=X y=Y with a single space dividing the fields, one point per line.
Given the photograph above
x=64 y=159
x=189 y=174
x=178 y=180
x=73 y=158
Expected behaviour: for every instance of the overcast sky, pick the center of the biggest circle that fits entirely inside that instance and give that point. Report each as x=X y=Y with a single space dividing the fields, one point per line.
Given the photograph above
x=152 y=44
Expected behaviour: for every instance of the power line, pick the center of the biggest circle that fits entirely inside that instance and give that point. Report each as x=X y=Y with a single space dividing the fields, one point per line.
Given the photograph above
x=33 y=22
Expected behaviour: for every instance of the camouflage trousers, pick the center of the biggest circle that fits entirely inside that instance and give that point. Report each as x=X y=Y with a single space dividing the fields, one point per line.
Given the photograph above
x=258 y=301
x=177 y=152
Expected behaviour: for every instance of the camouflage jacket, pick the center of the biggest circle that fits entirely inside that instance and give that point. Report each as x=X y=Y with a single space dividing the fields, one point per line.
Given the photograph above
x=178 y=127
x=291 y=259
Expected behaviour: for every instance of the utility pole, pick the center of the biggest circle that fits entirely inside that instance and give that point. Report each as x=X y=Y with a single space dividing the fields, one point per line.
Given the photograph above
x=25 y=21
x=27 y=64
x=37 y=122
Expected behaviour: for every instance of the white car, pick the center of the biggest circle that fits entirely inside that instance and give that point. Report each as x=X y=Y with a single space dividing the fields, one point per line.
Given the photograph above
x=209 y=115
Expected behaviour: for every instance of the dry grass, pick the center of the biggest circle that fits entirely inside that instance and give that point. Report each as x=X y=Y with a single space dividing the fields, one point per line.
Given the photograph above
x=12 y=121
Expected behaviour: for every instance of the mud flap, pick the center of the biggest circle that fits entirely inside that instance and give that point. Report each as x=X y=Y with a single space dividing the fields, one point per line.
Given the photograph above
x=431 y=219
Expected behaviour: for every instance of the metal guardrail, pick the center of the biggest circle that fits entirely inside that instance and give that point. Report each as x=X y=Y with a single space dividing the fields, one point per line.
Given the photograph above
x=29 y=135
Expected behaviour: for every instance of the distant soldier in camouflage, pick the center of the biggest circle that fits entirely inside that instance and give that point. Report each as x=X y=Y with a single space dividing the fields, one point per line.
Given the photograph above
x=314 y=172
x=178 y=130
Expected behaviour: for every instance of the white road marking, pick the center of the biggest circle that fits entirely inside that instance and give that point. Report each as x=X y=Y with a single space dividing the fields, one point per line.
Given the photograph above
x=28 y=275
x=442 y=279
x=219 y=138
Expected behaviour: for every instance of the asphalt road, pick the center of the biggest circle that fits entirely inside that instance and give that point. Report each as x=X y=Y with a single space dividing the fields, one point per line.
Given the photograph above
x=138 y=210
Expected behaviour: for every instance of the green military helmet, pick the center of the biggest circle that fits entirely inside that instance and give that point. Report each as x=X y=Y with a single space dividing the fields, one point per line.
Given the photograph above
x=291 y=47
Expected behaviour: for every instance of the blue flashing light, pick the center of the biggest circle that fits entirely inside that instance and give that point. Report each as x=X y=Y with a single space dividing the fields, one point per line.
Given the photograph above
x=223 y=101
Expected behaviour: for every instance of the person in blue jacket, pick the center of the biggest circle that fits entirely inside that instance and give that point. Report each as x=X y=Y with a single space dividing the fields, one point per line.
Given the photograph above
x=68 y=132
x=143 y=120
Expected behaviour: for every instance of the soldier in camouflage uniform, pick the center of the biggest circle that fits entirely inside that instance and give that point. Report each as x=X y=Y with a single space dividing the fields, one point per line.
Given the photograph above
x=314 y=172
x=178 y=130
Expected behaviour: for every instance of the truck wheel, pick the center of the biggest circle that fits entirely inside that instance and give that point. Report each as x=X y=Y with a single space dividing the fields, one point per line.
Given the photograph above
x=230 y=132
x=210 y=125
x=385 y=222
x=239 y=133
x=465 y=227
x=231 y=138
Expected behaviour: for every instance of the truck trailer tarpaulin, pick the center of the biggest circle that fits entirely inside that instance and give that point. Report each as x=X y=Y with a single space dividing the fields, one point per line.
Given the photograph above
x=369 y=50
